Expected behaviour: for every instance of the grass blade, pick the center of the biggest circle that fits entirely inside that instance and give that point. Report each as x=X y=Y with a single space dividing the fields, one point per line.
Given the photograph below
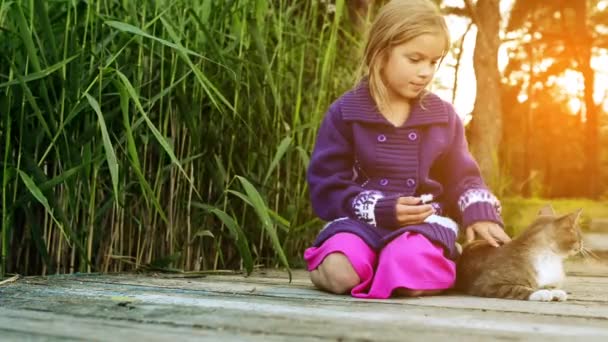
x=241 y=196
x=304 y=157
x=107 y=145
x=43 y=16
x=283 y=147
x=261 y=210
x=159 y=137
x=26 y=36
x=208 y=87
x=40 y=74
x=124 y=27
x=239 y=238
x=134 y=158
x=39 y=196
x=32 y=101
x=7 y=174
x=236 y=233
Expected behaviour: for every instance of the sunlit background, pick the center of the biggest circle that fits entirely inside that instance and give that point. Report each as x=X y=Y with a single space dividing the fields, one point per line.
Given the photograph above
x=571 y=81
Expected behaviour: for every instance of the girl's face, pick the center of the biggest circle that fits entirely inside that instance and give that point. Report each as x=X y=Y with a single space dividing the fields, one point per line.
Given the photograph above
x=409 y=67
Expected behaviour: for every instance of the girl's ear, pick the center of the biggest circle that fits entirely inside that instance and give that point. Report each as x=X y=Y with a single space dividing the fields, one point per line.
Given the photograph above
x=547 y=210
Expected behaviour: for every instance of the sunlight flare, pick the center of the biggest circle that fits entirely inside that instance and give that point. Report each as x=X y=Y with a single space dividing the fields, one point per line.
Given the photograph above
x=574 y=105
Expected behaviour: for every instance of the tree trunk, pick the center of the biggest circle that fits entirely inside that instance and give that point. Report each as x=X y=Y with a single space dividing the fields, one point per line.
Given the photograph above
x=583 y=43
x=487 y=114
x=592 y=160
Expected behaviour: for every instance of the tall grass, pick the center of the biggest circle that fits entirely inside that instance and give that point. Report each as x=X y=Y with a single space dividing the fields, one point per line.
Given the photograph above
x=162 y=134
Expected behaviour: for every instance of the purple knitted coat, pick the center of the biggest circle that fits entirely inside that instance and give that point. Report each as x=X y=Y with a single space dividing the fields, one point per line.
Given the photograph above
x=361 y=165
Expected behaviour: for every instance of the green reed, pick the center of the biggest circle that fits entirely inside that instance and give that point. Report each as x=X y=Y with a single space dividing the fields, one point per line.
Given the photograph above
x=162 y=134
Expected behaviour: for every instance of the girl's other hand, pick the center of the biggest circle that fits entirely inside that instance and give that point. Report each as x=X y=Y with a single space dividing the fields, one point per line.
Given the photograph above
x=409 y=211
x=488 y=231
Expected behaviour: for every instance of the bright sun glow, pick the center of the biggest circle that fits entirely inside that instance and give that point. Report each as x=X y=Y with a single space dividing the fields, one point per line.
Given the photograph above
x=574 y=105
x=571 y=82
x=522 y=98
x=602 y=5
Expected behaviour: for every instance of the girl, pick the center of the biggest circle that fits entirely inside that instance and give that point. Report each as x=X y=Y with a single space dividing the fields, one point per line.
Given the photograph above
x=391 y=170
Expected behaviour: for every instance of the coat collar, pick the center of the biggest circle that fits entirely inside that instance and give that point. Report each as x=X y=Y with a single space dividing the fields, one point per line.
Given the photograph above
x=358 y=105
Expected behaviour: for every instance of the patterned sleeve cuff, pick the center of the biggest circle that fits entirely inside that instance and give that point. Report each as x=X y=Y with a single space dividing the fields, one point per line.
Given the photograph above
x=375 y=209
x=479 y=205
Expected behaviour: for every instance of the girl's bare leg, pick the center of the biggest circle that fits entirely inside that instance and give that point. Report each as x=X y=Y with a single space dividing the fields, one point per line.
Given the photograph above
x=335 y=274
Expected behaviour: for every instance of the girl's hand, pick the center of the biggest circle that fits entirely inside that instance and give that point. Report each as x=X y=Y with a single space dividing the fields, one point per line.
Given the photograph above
x=489 y=231
x=409 y=211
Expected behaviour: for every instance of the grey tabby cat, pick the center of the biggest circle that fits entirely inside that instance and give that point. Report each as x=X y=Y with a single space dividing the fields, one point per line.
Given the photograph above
x=528 y=268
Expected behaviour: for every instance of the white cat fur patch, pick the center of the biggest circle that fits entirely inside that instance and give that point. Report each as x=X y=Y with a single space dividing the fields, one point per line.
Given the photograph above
x=549 y=269
x=548 y=295
x=541 y=296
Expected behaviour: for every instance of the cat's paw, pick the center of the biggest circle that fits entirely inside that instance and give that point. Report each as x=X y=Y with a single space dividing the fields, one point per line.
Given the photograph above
x=548 y=295
x=559 y=295
x=541 y=296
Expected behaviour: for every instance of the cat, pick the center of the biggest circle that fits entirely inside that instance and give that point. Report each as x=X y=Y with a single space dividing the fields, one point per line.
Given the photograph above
x=530 y=267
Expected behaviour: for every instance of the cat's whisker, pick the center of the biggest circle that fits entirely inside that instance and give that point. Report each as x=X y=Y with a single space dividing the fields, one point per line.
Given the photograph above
x=589 y=252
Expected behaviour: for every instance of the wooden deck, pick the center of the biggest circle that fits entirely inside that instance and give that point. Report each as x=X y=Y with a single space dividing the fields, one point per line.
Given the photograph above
x=265 y=307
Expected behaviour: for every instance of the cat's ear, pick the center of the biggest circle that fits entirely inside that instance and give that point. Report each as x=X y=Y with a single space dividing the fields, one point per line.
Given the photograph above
x=576 y=216
x=572 y=218
x=547 y=210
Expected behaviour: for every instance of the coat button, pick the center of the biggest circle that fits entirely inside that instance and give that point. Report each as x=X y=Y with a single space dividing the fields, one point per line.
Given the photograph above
x=382 y=138
x=410 y=182
x=384 y=181
x=412 y=136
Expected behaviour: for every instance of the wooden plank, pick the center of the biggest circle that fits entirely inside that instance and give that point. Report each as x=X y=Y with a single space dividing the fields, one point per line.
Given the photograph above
x=587 y=267
x=251 y=312
x=20 y=325
x=299 y=318
x=596 y=241
x=583 y=290
x=265 y=306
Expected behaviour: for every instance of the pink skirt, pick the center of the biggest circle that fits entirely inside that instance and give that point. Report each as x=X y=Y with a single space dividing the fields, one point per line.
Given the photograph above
x=409 y=261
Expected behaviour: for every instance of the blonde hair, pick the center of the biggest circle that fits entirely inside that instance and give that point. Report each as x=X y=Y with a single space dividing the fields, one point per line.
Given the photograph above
x=398 y=22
